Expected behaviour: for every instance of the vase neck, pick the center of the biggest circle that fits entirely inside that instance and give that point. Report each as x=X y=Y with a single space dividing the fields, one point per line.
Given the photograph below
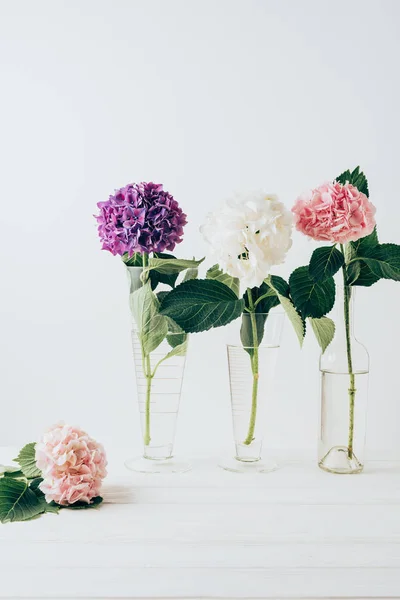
x=134 y=280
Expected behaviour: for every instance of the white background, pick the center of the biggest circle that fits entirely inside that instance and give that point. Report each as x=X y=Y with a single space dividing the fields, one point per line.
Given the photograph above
x=207 y=97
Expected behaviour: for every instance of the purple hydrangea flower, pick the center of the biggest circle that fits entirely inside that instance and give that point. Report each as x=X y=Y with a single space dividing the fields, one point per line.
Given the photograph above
x=140 y=217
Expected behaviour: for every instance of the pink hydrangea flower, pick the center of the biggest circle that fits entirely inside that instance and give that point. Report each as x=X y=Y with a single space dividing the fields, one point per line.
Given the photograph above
x=72 y=464
x=334 y=212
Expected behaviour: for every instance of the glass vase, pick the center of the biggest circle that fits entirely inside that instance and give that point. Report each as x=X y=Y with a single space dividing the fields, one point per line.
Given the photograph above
x=159 y=379
x=344 y=368
x=252 y=363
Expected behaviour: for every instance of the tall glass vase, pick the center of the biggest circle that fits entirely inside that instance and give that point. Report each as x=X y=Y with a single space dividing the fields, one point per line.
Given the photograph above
x=159 y=379
x=251 y=375
x=344 y=371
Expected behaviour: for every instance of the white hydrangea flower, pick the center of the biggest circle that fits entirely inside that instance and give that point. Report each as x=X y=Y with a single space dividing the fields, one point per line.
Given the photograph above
x=249 y=234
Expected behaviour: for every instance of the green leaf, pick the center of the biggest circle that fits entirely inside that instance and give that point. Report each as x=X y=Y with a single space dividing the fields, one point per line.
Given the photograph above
x=17 y=501
x=312 y=298
x=249 y=341
x=176 y=339
x=356 y=178
x=358 y=273
x=295 y=318
x=344 y=177
x=365 y=244
x=50 y=507
x=27 y=461
x=168 y=266
x=280 y=286
x=176 y=336
x=136 y=260
x=14 y=472
x=232 y=282
x=264 y=298
x=365 y=277
x=191 y=274
x=199 y=304
x=325 y=262
x=15 y=475
x=83 y=505
x=157 y=277
x=161 y=296
x=178 y=350
x=324 y=330
x=152 y=326
x=353 y=273
x=383 y=261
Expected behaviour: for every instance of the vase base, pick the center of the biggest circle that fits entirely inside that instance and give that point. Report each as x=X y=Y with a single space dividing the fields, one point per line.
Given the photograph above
x=236 y=465
x=142 y=464
x=337 y=461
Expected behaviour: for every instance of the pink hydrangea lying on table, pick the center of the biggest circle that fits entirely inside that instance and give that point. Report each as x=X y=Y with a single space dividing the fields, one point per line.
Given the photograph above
x=72 y=463
x=64 y=470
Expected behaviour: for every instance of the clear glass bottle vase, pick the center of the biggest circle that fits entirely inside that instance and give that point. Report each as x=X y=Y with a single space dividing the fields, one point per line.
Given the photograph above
x=251 y=376
x=344 y=368
x=159 y=379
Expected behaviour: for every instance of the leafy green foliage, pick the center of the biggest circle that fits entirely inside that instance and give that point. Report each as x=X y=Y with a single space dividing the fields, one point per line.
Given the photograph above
x=50 y=507
x=280 y=286
x=358 y=272
x=325 y=262
x=199 y=304
x=191 y=274
x=84 y=505
x=264 y=298
x=152 y=326
x=21 y=499
x=157 y=277
x=324 y=330
x=282 y=289
x=176 y=336
x=365 y=244
x=13 y=472
x=232 y=282
x=295 y=318
x=356 y=178
x=252 y=330
x=136 y=260
x=383 y=261
x=27 y=461
x=169 y=266
x=311 y=298
x=161 y=295
x=17 y=501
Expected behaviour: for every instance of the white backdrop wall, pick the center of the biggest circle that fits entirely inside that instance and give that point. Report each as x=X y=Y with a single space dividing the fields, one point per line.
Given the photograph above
x=207 y=97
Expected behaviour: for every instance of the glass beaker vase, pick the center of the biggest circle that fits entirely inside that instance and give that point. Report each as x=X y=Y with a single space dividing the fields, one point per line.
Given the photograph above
x=344 y=371
x=159 y=379
x=252 y=361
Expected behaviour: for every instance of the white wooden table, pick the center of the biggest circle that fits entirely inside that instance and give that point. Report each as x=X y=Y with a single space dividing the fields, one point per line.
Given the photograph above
x=295 y=533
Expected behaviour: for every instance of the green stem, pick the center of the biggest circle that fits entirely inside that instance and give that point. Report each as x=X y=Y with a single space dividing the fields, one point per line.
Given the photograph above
x=352 y=388
x=254 y=368
x=147 y=373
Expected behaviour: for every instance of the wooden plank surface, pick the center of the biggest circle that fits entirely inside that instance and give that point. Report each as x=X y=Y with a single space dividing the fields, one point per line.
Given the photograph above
x=296 y=533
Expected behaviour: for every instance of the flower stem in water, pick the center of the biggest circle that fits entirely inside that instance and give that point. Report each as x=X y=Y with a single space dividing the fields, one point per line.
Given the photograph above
x=352 y=387
x=147 y=373
x=254 y=368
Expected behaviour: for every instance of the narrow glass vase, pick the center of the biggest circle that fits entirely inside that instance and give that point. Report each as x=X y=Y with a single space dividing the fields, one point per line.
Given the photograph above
x=159 y=379
x=344 y=371
x=251 y=376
